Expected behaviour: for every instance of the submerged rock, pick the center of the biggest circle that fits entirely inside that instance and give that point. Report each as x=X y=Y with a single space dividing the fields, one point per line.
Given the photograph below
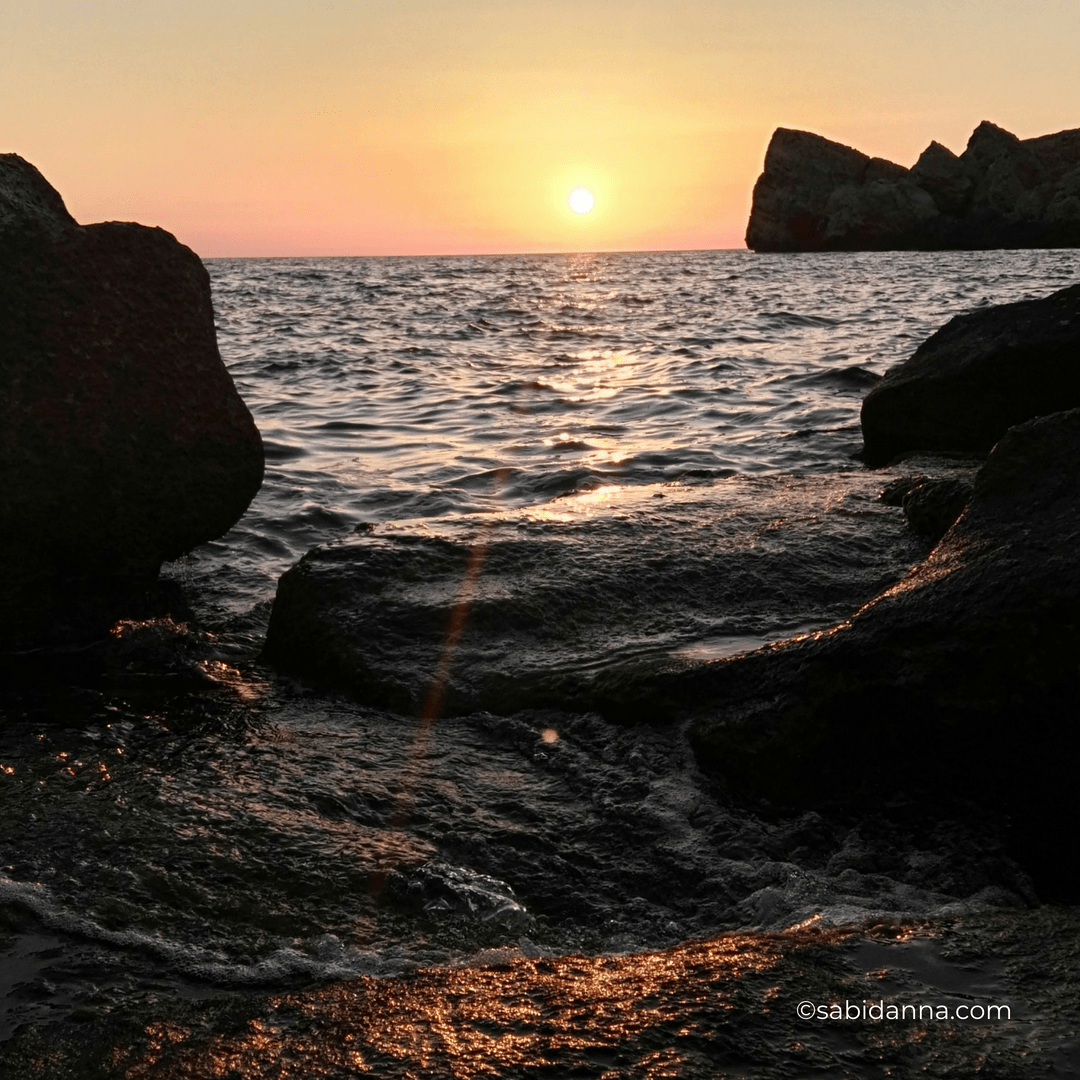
x=961 y=680
x=981 y=373
x=123 y=441
x=440 y=890
x=818 y=195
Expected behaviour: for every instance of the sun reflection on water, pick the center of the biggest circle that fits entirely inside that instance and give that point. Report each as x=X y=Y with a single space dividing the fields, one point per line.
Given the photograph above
x=614 y=1016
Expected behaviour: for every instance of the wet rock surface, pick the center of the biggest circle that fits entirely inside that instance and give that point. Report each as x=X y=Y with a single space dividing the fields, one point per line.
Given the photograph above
x=511 y=615
x=996 y=991
x=123 y=441
x=190 y=827
x=961 y=679
x=934 y=494
x=933 y=506
x=977 y=376
x=818 y=195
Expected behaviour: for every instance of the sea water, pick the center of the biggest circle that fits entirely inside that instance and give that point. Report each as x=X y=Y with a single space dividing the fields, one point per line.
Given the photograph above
x=426 y=389
x=675 y=437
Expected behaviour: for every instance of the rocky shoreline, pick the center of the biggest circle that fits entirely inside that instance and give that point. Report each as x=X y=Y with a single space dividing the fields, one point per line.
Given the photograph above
x=688 y=1011
x=955 y=683
x=1001 y=192
x=914 y=756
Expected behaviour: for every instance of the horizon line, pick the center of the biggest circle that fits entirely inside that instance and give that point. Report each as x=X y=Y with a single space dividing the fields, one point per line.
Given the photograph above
x=490 y=254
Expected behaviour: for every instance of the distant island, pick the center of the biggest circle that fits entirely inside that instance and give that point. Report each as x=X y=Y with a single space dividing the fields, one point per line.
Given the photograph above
x=1001 y=192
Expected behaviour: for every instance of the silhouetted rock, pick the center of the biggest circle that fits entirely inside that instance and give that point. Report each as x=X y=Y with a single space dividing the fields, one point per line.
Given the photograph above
x=818 y=195
x=123 y=441
x=941 y=174
x=791 y=197
x=977 y=376
x=881 y=213
x=960 y=680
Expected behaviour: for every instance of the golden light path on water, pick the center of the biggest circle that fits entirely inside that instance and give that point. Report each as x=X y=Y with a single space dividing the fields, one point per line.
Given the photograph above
x=613 y=1016
x=730 y=1008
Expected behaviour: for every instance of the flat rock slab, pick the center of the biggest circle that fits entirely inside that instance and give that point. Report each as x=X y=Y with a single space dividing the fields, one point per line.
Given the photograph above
x=501 y=617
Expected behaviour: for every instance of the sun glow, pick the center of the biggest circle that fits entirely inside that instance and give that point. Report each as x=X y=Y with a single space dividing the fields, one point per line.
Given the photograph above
x=581 y=200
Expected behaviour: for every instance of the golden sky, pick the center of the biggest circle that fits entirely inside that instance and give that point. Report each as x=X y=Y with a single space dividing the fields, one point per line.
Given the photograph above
x=350 y=127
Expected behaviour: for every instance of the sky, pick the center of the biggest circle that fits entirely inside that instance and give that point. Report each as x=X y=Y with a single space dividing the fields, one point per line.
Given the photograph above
x=397 y=127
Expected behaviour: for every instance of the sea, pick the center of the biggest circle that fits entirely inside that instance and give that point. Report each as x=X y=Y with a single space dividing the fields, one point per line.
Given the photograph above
x=210 y=866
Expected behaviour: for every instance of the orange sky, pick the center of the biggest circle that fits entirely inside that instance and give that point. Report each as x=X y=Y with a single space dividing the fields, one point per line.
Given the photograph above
x=326 y=127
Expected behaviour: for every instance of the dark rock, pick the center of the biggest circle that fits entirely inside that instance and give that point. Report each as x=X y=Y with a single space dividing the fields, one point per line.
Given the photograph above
x=817 y=195
x=977 y=376
x=933 y=506
x=123 y=441
x=941 y=174
x=877 y=215
x=881 y=169
x=962 y=680
x=993 y=150
x=791 y=196
x=508 y=618
x=894 y=492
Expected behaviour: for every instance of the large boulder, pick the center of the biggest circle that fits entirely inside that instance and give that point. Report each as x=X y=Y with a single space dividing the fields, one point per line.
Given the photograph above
x=818 y=195
x=960 y=681
x=977 y=376
x=123 y=441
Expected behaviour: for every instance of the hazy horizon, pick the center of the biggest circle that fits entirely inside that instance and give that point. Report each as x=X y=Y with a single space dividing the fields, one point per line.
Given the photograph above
x=431 y=127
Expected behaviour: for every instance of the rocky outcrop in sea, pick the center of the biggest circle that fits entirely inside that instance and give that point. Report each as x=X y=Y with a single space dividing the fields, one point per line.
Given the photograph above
x=1001 y=192
x=123 y=440
x=982 y=372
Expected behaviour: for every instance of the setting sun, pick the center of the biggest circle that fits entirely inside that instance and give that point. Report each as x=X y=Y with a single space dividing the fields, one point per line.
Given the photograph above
x=581 y=200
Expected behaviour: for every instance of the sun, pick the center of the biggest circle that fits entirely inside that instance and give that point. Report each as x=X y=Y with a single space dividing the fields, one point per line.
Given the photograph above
x=581 y=200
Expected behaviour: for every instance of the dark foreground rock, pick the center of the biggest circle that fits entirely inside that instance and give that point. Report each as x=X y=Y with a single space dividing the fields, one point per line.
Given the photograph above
x=976 y=377
x=688 y=1011
x=1001 y=192
x=960 y=680
x=932 y=504
x=123 y=441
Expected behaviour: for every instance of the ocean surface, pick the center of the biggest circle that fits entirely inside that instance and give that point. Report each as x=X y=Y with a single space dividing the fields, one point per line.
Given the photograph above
x=658 y=456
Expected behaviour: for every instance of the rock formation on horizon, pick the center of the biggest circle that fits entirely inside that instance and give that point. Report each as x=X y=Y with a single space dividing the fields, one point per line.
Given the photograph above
x=123 y=440
x=1001 y=192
